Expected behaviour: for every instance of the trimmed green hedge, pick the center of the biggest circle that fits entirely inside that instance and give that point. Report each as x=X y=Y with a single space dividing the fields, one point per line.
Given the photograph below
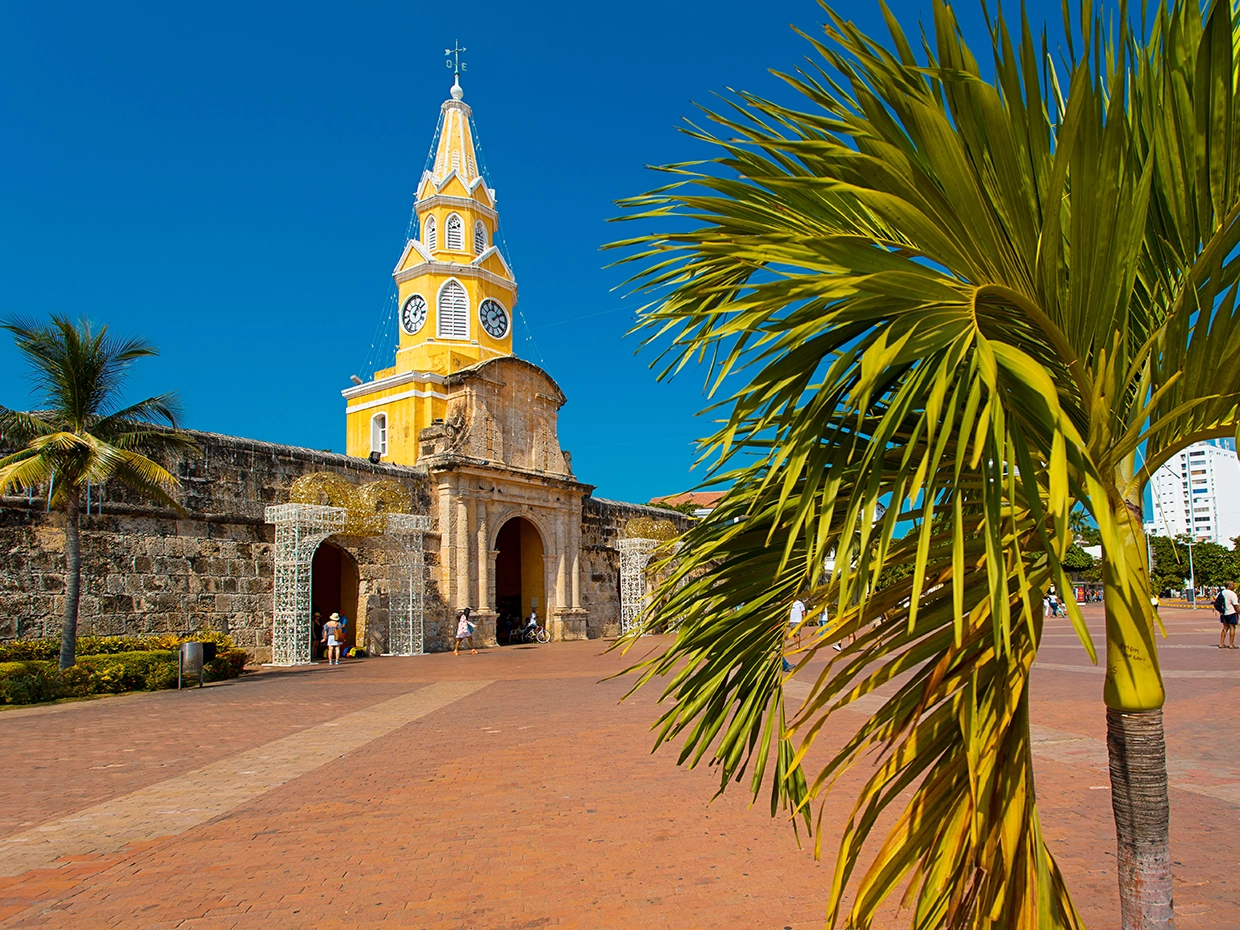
x=35 y=681
x=27 y=650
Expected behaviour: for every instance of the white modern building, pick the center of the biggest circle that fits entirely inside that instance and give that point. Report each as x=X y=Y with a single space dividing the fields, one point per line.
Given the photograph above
x=1198 y=492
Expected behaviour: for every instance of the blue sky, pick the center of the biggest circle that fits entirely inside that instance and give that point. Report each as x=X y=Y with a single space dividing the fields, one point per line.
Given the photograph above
x=233 y=181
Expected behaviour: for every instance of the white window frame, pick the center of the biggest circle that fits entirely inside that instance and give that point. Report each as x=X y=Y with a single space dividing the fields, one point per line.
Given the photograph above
x=480 y=237
x=456 y=332
x=457 y=245
x=378 y=433
x=430 y=233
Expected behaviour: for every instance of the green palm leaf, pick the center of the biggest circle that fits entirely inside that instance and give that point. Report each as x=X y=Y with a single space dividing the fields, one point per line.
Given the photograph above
x=965 y=304
x=83 y=435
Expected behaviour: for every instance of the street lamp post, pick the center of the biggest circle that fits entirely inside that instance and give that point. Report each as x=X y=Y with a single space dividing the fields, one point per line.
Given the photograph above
x=1192 y=575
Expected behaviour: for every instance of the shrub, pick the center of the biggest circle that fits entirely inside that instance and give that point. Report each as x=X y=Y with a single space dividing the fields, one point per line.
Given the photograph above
x=106 y=668
x=27 y=650
x=228 y=663
x=28 y=682
x=130 y=671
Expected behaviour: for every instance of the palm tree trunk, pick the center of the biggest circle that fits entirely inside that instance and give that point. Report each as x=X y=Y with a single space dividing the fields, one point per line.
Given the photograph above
x=1134 y=697
x=73 y=578
x=1142 y=818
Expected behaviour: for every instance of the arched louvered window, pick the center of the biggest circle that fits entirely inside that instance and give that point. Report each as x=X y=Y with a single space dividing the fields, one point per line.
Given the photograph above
x=480 y=238
x=378 y=433
x=430 y=238
x=453 y=311
x=454 y=234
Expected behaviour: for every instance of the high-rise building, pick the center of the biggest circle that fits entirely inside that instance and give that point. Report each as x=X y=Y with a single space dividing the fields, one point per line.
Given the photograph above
x=1198 y=492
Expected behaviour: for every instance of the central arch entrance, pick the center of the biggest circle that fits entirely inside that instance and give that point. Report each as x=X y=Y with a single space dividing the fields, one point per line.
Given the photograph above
x=334 y=583
x=519 y=577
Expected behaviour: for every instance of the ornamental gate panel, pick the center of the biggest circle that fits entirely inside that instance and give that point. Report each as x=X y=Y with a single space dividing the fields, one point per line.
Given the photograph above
x=300 y=528
x=635 y=555
x=407 y=599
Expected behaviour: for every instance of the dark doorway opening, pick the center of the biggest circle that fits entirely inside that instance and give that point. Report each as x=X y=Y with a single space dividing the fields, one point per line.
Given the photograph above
x=334 y=583
x=519 y=572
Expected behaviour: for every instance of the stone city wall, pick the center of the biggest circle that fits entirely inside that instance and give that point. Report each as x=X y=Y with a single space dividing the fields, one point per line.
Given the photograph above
x=147 y=569
x=602 y=525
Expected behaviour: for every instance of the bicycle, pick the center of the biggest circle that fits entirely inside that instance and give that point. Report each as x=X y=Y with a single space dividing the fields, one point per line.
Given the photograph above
x=536 y=635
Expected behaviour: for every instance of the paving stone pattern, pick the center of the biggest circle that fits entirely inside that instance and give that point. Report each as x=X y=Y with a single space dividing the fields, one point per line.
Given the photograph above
x=532 y=801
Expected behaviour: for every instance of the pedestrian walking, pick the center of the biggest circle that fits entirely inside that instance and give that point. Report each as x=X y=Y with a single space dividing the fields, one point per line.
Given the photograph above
x=796 y=615
x=1228 y=615
x=333 y=635
x=464 y=631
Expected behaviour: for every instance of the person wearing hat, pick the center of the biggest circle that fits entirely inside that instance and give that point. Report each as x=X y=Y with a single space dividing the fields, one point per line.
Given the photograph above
x=333 y=635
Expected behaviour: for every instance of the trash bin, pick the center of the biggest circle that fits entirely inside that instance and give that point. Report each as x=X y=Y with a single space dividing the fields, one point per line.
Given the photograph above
x=189 y=663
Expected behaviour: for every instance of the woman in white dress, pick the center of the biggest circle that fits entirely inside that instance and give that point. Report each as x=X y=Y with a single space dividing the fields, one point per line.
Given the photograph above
x=464 y=631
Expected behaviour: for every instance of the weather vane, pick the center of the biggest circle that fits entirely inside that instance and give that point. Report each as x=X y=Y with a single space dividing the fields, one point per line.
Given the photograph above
x=454 y=58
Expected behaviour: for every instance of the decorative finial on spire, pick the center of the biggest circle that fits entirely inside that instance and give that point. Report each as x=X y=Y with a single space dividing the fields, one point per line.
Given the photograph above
x=454 y=62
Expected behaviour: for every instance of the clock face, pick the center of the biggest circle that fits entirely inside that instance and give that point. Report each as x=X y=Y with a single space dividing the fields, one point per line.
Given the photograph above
x=494 y=318
x=413 y=313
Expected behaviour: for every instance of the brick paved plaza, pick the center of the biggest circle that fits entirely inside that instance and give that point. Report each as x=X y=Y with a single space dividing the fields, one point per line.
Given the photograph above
x=512 y=789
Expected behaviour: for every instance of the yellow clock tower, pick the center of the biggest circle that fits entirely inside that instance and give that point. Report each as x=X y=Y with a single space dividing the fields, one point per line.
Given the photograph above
x=455 y=297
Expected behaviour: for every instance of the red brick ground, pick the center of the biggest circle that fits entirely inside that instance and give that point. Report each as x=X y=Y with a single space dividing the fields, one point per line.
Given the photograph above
x=535 y=802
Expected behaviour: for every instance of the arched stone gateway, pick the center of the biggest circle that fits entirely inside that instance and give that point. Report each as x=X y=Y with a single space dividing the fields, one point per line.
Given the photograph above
x=520 y=575
x=334 y=587
x=325 y=505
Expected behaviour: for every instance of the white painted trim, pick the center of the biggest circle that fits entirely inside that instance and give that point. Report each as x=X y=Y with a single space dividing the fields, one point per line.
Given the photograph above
x=453 y=202
x=391 y=381
x=412 y=245
x=494 y=249
x=404 y=395
x=464 y=271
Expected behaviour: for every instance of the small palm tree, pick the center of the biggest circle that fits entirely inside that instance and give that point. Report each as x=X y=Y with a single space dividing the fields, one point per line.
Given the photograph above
x=82 y=435
x=977 y=299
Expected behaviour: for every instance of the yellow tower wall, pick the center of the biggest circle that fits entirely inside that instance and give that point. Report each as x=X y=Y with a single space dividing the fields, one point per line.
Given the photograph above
x=406 y=394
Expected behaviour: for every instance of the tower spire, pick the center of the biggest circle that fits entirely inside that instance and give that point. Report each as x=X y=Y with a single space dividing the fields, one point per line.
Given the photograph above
x=454 y=62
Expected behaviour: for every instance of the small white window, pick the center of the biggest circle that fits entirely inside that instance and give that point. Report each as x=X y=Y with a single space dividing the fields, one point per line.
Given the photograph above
x=480 y=238
x=378 y=433
x=453 y=312
x=429 y=237
x=454 y=234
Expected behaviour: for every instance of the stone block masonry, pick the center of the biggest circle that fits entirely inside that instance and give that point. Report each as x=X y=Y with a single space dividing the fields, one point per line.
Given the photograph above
x=149 y=569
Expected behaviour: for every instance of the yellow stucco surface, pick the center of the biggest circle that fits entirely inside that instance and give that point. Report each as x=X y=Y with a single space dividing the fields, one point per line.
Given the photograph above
x=440 y=278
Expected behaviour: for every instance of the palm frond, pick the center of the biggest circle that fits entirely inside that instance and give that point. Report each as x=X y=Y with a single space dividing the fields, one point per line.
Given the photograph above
x=957 y=302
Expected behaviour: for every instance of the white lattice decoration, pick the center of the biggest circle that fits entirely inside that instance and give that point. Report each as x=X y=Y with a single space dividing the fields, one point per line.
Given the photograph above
x=406 y=623
x=635 y=555
x=299 y=530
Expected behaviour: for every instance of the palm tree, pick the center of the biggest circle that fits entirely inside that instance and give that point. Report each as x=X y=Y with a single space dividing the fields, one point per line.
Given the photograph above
x=979 y=302
x=81 y=435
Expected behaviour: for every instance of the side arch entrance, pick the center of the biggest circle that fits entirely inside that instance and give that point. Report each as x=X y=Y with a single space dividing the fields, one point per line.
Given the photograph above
x=335 y=580
x=520 y=577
